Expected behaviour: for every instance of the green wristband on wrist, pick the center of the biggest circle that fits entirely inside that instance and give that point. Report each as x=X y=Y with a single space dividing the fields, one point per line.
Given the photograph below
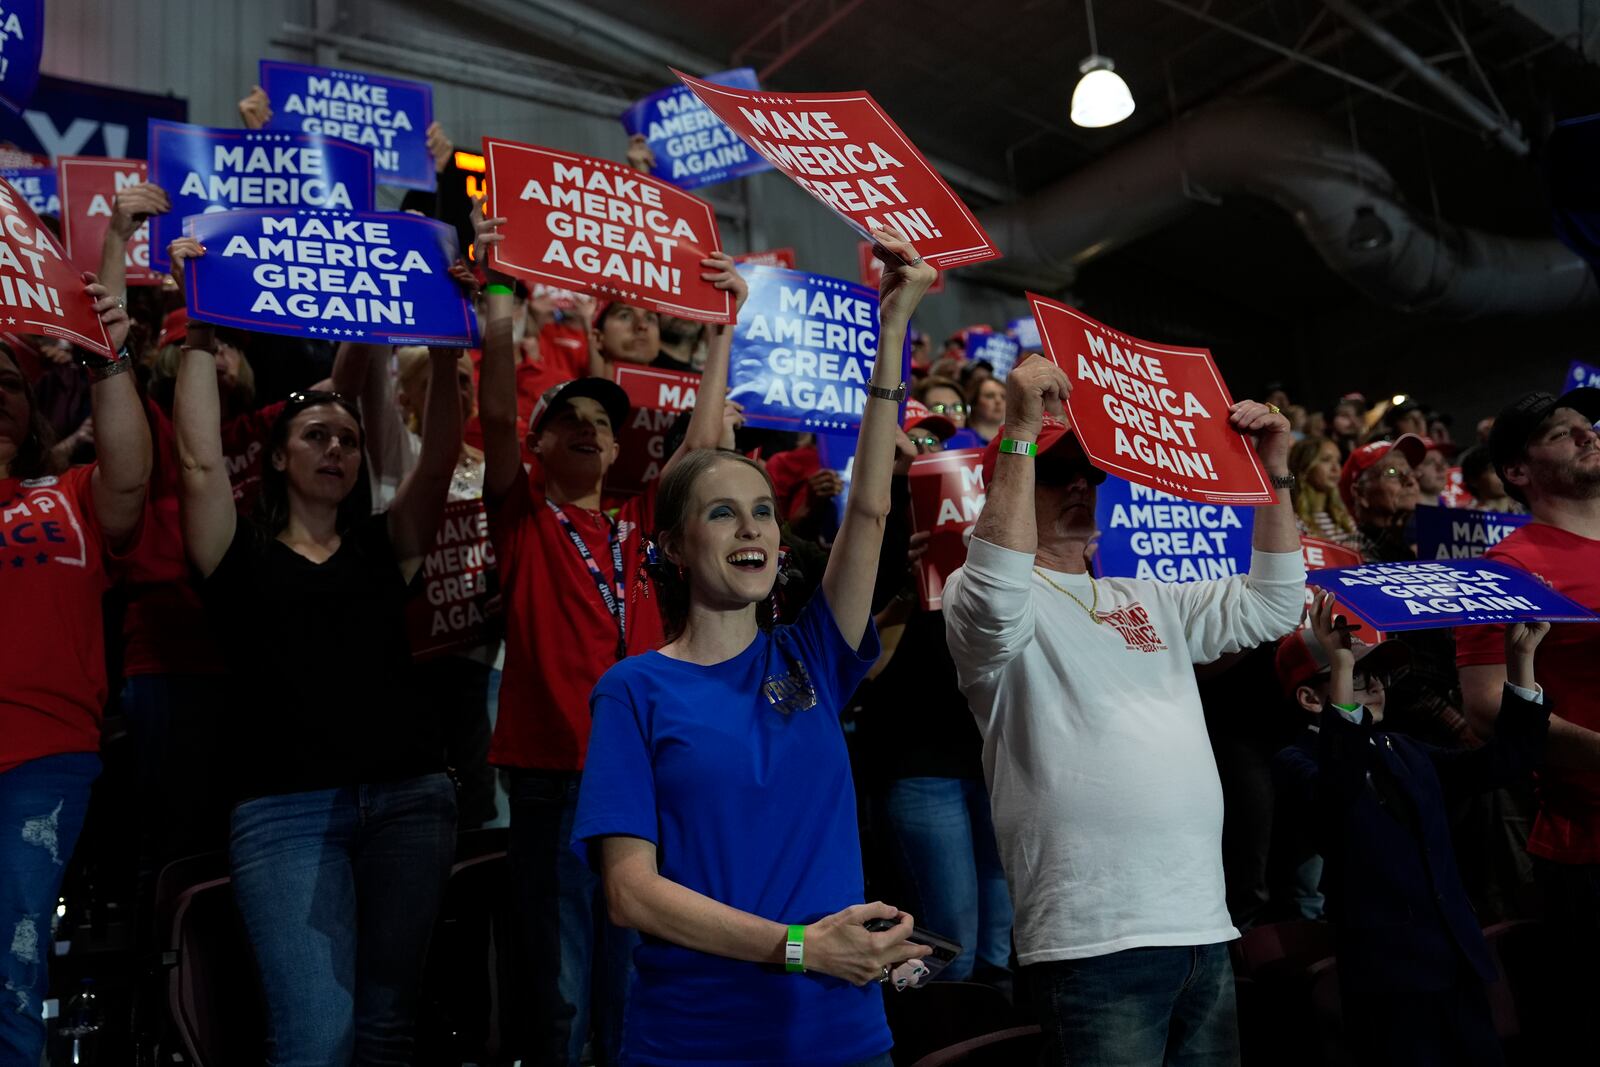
x=1348 y=709
x=499 y=290
x=794 y=950
x=1019 y=448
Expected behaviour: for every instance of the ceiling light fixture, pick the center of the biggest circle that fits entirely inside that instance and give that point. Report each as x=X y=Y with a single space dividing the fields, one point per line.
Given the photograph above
x=1102 y=97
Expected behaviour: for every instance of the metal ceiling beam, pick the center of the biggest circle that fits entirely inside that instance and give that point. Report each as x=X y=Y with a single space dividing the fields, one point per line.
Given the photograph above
x=796 y=28
x=618 y=44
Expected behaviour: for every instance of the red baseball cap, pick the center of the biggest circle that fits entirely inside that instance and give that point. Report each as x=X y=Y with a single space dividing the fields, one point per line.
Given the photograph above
x=1408 y=445
x=1301 y=658
x=174 y=328
x=1052 y=432
x=917 y=414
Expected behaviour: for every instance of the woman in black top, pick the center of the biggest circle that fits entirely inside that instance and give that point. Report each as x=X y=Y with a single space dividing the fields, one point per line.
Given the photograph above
x=345 y=828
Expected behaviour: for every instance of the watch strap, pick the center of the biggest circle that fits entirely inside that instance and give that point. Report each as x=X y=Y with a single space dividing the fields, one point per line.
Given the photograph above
x=897 y=394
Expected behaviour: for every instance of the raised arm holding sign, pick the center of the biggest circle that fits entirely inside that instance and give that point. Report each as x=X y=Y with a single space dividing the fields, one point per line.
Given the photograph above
x=40 y=290
x=390 y=116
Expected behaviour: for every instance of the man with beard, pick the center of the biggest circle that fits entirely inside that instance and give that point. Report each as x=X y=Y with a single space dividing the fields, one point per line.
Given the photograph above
x=1106 y=801
x=679 y=340
x=1548 y=456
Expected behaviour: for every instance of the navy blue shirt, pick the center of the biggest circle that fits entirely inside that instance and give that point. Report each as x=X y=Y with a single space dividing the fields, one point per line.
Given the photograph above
x=738 y=774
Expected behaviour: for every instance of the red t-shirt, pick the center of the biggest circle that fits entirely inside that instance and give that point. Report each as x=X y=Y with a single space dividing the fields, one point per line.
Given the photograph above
x=1567 y=828
x=559 y=636
x=53 y=657
x=164 y=630
x=789 y=471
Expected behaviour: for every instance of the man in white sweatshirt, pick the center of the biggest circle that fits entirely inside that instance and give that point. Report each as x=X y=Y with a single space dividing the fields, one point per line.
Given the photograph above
x=1104 y=789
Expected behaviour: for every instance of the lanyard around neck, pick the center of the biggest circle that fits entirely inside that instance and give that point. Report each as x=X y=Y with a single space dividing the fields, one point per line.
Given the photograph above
x=612 y=594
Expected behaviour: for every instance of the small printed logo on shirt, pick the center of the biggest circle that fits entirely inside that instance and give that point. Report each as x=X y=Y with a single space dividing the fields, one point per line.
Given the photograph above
x=1133 y=623
x=792 y=691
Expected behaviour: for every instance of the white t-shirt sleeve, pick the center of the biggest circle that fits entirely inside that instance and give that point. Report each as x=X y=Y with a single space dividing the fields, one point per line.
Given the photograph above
x=988 y=609
x=1245 y=611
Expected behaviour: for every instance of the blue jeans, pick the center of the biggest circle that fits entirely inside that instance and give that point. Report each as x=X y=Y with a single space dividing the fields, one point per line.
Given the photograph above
x=944 y=841
x=339 y=889
x=576 y=965
x=42 y=805
x=1142 y=1007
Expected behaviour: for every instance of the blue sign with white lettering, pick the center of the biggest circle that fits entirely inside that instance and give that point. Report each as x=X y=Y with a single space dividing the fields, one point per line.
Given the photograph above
x=37 y=186
x=995 y=349
x=375 y=277
x=389 y=116
x=71 y=118
x=1580 y=374
x=207 y=170
x=21 y=46
x=803 y=349
x=1462 y=533
x=691 y=145
x=1426 y=594
x=1145 y=533
x=1026 y=331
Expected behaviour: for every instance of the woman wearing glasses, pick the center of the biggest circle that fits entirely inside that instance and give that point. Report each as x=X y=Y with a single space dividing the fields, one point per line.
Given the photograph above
x=943 y=396
x=345 y=827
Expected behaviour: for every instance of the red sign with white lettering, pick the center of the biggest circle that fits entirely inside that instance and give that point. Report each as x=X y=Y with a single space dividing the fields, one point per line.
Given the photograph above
x=460 y=602
x=655 y=400
x=872 y=269
x=1455 y=493
x=772 y=257
x=947 y=494
x=845 y=151
x=88 y=186
x=1319 y=555
x=40 y=288
x=1153 y=414
x=576 y=222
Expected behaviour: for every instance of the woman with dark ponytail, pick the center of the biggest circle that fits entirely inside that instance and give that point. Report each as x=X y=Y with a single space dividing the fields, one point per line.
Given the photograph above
x=717 y=803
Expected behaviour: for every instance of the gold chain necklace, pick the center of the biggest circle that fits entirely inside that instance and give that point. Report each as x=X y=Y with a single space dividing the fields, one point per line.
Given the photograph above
x=1088 y=608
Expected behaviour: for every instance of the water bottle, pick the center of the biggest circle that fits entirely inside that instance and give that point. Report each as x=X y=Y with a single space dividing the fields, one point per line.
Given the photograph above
x=80 y=1025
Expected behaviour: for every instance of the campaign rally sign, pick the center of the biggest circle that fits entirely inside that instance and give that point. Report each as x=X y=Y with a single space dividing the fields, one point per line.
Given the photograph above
x=72 y=118
x=692 y=146
x=803 y=349
x=995 y=349
x=872 y=269
x=599 y=227
x=1459 y=533
x=365 y=275
x=771 y=257
x=946 y=498
x=38 y=187
x=390 y=116
x=460 y=601
x=1026 y=331
x=845 y=151
x=1426 y=594
x=208 y=170
x=40 y=288
x=1581 y=374
x=656 y=397
x=89 y=185
x=1154 y=414
x=1320 y=555
x=21 y=46
x=1145 y=533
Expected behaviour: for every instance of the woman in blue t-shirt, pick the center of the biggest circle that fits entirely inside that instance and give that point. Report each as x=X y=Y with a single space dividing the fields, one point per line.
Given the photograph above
x=717 y=801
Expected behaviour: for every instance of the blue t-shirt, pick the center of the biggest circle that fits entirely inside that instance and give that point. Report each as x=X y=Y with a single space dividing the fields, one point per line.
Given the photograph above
x=966 y=437
x=738 y=773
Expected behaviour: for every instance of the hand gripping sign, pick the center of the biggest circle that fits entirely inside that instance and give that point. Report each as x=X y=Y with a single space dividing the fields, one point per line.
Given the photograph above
x=89 y=186
x=656 y=397
x=38 y=186
x=460 y=598
x=21 y=46
x=1424 y=595
x=803 y=350
x=692 y=146
x=1461 y=533
x=40 y=288
x=845 y=151
x=1153 y=414
x=599 y=227
x=1320 y=555
x=872 y=268
x=366 y=276
x=947 y=497
x=390 y=116
x=1145 y=533
x=207 y=170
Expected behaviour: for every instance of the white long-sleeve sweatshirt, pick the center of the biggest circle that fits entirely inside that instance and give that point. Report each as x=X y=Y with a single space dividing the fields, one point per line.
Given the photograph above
x=1105 y=794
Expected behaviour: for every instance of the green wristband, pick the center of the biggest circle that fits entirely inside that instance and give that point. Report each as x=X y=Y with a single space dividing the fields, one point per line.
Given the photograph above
x=1350 y=709
x=794 y=950
x=1018 y=448
x=499 y=290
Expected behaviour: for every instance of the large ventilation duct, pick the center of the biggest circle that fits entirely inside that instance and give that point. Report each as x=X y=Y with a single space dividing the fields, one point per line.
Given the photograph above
x=1344 y=202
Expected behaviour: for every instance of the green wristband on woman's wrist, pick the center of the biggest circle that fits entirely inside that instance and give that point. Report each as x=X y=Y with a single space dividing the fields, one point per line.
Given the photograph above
x=496 y=289
x=794 y=950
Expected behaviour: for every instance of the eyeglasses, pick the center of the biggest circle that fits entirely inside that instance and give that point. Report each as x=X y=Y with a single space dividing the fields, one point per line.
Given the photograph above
x=1407 y=475
x=948 y=409
x=1368 y=683
x=929 y=441
x=317 y=396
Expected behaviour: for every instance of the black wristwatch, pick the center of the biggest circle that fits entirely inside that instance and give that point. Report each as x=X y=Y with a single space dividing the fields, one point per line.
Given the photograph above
x=897 y=394
x=103 y=367
x=1282 y=481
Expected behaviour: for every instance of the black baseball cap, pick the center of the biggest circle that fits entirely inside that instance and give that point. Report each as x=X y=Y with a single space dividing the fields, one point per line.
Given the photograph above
x=607 y=393
x=1517 y=422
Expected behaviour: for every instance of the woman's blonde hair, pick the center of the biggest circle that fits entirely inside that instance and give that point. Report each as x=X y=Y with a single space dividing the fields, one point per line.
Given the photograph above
x=1310 y=501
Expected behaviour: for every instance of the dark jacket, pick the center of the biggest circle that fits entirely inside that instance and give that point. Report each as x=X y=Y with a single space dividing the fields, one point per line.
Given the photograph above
x=1378 y=802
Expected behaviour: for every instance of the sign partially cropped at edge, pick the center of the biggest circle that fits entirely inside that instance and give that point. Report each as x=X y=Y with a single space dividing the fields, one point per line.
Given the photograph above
x=459 y=605
x=21 y=47
x=594 y=226
x=389 y=116
x=1153 y=414
x=1580 y=374
x=692 y=146
x=40 y=288
x=1321 y=555
x=1145 y=533
x=73 y=118
x=846 y=151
